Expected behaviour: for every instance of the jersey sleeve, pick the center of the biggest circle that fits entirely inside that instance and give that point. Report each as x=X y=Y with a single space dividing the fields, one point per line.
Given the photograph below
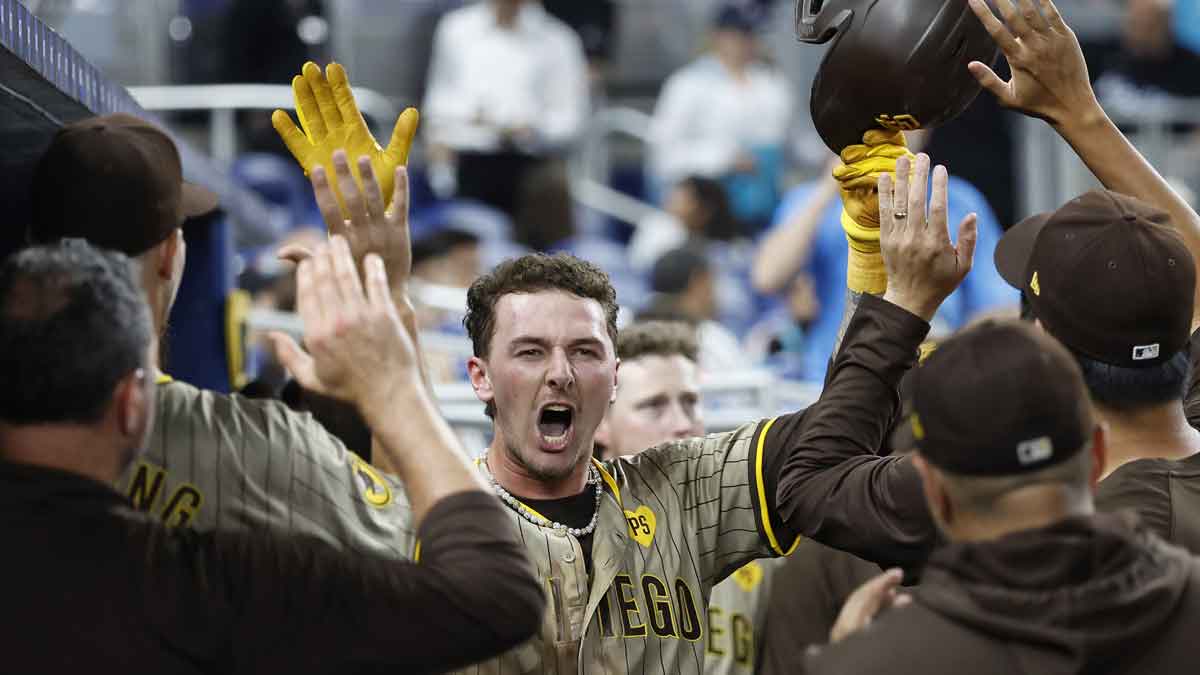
x=236 y=463
x=823 y=469
x=716 y=485
x=266 y=602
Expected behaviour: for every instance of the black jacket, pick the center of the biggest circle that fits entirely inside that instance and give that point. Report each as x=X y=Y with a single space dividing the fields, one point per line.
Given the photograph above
x=1088 y=595
x=89 y=585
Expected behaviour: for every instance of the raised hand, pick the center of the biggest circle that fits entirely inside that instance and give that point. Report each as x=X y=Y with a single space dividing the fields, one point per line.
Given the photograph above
x=358 y=350
x=923 y=267
x=369 y=227
x=331 y=121
x=1049 y=75
x=866 y=602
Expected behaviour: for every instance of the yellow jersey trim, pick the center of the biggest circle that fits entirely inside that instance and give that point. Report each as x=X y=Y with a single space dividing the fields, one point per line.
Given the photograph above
x=762 y=494
x=163 y=378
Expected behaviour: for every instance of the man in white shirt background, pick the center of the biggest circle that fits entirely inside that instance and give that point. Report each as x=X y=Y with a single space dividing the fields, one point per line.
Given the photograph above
x=507 y=92
x=726 y=115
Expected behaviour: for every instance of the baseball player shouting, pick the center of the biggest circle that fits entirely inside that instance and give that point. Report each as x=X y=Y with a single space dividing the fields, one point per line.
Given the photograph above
x=629 y=549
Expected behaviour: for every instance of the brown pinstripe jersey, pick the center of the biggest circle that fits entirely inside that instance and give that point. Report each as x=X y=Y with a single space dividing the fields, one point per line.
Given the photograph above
x=217 y=461
x=737 y=615
x=673 y=521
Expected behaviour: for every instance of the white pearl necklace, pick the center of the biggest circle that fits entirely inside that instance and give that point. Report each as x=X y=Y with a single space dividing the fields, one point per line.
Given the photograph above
x=525 y=512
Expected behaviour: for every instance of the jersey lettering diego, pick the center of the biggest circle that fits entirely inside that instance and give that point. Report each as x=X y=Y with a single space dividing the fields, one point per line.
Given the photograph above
x=228 y=462
x=737 y=613
x=673 y=521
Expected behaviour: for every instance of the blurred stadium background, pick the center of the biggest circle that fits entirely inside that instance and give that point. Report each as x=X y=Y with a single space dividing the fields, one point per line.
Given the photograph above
x=212 y=70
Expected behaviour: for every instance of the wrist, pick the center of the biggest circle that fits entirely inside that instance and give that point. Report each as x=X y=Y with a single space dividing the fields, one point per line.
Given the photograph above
x=913 y=303
x=1088 y=119
x=398 y=396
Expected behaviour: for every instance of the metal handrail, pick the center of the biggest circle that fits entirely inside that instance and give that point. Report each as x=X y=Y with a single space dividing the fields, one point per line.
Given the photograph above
x=590 y=165
x=222 y=101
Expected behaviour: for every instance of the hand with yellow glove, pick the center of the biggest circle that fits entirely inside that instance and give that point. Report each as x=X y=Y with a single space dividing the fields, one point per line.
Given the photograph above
x=857 y=178
x=331 y=121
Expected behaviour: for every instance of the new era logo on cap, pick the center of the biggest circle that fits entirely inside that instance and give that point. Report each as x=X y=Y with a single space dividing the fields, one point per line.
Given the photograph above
x=1035 y=450
x=1145 y=352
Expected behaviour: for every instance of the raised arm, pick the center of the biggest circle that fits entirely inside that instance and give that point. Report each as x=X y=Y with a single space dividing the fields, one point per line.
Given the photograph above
x=832 y=487
x=782 y=252
x=1050 y=81
x=282 y=603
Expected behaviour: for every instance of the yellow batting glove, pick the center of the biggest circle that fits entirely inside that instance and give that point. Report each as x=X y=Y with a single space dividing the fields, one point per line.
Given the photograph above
x=331 y=121
x=857 y=177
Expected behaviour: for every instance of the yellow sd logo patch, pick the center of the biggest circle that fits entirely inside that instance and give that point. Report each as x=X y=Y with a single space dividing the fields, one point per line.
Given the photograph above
x=375 y=491
x=749 y=575
x=641 y=525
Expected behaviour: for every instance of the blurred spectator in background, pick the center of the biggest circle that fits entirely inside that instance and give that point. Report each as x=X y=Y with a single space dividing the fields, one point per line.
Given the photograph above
x=807 y=237
x=507 y=92
x=596 y=23
x=1158 y=48
x=726 y=116
x=697 y=211
x=684 y=287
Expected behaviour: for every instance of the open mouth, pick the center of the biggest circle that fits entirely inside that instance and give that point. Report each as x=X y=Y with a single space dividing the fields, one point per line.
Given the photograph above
x=554 y=425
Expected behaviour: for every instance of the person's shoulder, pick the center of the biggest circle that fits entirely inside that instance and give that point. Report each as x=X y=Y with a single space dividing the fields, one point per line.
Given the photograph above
x=672 y=459
x=472 y=17
x=210 y=413
x=558 y=30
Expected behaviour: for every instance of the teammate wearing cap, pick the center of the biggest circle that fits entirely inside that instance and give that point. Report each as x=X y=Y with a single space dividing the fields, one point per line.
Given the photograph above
x=1112 y=278
x=658 y=400
x=93 y=585
x=215 y=460
x=1032 y=580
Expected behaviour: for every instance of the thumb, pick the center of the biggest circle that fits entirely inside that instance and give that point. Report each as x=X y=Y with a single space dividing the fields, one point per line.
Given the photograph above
x=295 y=360
x=968 y=235
x=989 y=80
x=402 y=135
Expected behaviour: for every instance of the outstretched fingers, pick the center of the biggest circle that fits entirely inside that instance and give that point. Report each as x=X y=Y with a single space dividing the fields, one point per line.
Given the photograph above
x=968 y=236
x=994 y=27
x=327 y=201
x=356 y=206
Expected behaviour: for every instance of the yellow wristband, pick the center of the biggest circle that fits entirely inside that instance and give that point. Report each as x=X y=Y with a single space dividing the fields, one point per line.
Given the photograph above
x=865 y=272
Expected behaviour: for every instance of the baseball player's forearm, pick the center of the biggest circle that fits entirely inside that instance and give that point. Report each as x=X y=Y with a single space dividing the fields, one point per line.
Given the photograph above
x=782 y=252
x=297 y=606
x=1121 y=168
x=832 y=486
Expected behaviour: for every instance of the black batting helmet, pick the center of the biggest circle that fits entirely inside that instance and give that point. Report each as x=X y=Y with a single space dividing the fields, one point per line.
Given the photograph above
x=896 y=64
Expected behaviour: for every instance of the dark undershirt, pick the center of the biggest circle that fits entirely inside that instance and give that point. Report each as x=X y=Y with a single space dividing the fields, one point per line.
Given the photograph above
x=575 y=511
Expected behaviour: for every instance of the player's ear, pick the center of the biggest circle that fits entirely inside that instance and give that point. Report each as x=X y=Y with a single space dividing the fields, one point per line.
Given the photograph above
x=1099 y=454
x=133 y=403
x=935 y=493
x=169 y=254
x=481 y=382
x=615 y=383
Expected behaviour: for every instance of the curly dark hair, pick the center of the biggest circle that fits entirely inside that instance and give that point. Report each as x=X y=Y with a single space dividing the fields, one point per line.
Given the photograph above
x=658 y=338
x=530 y=274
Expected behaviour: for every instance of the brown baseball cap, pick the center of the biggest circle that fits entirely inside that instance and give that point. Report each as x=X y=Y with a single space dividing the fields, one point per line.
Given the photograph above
x=115 y=181
x=1107 y=275
x=999 y=398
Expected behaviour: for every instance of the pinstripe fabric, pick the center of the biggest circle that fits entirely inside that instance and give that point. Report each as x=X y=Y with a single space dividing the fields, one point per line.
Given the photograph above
x=673 y=521
x=235 y=463
x=737 y=613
